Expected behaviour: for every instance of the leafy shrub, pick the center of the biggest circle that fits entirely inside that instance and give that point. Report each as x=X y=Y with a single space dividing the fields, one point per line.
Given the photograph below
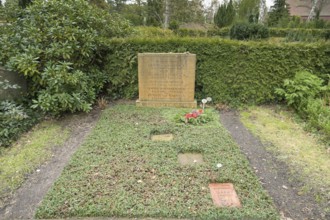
x=304 y=93
x=300 y=89
x=14 y=118
x=318 y=115
x=58 y=46
x=174 y=25
x=248 y=31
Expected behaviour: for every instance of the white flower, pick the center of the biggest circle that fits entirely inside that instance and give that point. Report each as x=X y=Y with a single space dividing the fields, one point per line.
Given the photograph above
x=204 y=101
x=209 y=99
x=219 y=165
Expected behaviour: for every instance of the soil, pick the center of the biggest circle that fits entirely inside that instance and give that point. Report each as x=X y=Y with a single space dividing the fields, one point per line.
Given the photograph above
x=24 y=202
x=273 y=174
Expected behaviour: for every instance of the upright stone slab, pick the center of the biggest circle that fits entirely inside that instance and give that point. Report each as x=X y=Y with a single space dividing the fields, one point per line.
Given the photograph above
x=167 y=80
x=14 y=79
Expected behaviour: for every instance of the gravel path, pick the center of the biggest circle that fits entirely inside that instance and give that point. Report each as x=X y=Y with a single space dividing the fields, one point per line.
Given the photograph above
x=273 y=174
x=27 y=198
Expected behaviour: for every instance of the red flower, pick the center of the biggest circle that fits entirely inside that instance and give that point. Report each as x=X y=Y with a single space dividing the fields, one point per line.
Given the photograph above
x=188 y=115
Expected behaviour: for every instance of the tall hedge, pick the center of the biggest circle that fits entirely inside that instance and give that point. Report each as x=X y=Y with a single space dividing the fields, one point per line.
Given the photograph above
x=228 y=71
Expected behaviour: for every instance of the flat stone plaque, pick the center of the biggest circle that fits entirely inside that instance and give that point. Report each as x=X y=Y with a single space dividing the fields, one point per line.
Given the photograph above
x=162 y=137
x=224 y=195
x=190 y=159
x=167 y=80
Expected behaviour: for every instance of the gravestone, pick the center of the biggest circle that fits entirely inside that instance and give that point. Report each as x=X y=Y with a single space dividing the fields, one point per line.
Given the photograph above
x=190 y=159
x=167 y=80
x=224 y=195
x=162 y=137
x=14 y=79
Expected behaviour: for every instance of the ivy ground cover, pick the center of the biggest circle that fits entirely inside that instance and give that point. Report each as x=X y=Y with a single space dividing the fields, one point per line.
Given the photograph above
x=120 y=172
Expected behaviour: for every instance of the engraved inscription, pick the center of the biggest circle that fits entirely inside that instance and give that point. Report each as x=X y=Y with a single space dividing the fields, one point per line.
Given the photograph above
x=224 y=195
x=166 y=78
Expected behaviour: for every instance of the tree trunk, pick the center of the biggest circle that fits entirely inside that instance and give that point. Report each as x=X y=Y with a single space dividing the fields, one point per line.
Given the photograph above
x=167 y=14
x=262 y=11
x=312 y=13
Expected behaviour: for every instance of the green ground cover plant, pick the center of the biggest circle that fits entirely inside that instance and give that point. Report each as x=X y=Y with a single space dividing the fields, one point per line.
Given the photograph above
x=29 y=152
x=120 y=172
x=304 y=152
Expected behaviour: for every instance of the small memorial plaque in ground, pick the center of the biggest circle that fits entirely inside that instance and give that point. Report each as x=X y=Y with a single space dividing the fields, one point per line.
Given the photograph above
x=162 y=137
x=190 y=159
x=224 y=195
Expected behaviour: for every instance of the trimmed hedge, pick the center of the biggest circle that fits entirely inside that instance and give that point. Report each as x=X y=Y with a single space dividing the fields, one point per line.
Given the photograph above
x=214 y=32
x=284 y=32
x=273 y=32
x=229 y=71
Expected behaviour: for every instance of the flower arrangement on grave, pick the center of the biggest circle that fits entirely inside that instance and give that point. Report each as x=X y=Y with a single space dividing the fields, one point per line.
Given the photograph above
x=196 y=116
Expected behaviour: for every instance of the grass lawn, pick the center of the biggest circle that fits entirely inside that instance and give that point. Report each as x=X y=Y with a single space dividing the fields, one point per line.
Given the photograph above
x=30 y=151
x=120 y=172
x=305 y=154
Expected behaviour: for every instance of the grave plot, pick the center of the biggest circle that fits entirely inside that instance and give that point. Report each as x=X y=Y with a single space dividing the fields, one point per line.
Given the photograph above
x=121 y=172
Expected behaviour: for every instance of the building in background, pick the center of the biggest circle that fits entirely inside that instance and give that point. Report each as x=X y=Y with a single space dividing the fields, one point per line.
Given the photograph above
x=302 y=8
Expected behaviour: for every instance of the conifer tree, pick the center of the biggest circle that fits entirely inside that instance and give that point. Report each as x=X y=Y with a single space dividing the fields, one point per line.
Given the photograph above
x=225 y=15
x=278 y=12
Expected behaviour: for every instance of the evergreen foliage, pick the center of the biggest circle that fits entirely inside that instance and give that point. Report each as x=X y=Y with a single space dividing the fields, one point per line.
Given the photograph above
x=225 y=15
x=248 y=10
x=279 y=12
x=248 y=31
x=24 y=3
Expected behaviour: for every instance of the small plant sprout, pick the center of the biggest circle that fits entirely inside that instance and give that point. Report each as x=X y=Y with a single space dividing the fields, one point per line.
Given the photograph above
x=204 y=101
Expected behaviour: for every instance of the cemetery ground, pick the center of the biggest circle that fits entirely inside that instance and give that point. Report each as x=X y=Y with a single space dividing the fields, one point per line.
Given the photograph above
x=119 y=171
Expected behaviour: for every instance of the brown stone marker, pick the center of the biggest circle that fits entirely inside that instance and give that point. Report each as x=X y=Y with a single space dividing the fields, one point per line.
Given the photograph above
x=167 y=80
x=224 y=195
x=162 y=137
x=190 y=159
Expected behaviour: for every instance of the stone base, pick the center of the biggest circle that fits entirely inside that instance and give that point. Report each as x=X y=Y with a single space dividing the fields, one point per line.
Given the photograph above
x=166 y=104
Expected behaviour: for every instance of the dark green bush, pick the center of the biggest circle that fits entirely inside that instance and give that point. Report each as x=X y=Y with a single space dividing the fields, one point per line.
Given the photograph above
x=228 y=71
x=14 y=120
x=174 y=25
x=248 y=31
x=58 y=46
